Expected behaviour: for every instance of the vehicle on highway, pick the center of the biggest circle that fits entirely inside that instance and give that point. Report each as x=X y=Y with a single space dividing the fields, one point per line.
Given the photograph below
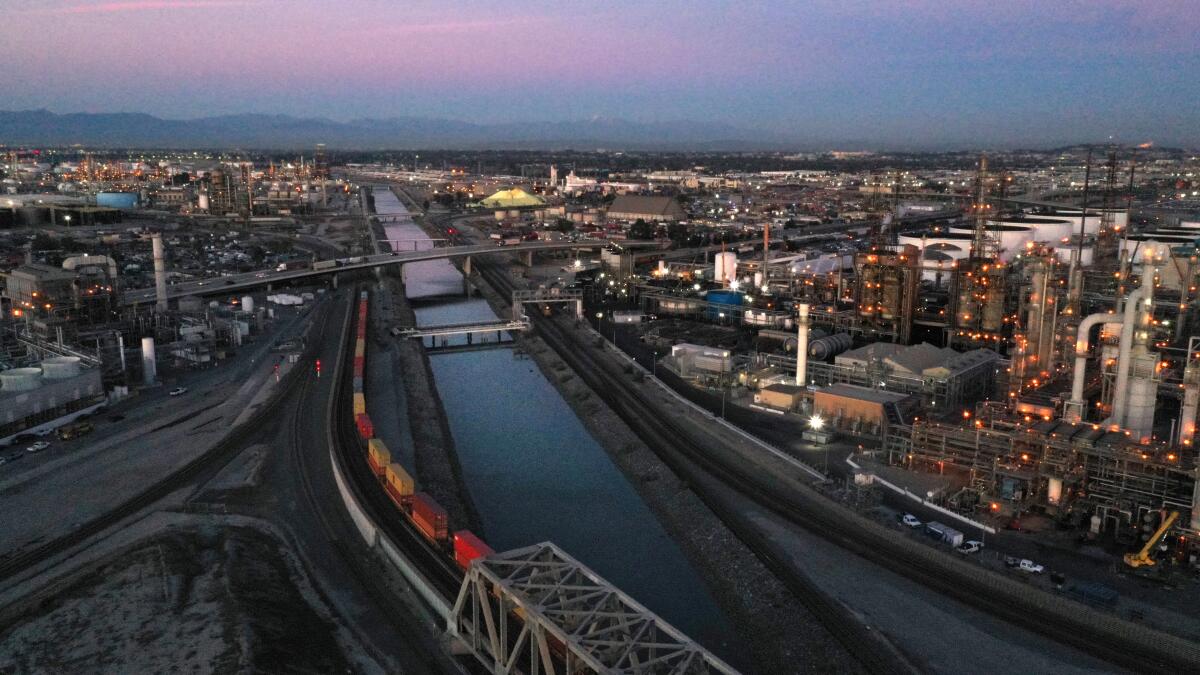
x=115 y=418
x=969 y=547
x=230 y=282
x=910 y=520
x=75 y=430
x=38 y=447
x=1031 y=567
x=177 y=391
x=260 y=275
x=44 y=432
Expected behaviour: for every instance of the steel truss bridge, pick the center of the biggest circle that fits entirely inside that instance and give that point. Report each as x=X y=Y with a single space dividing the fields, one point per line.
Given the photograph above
x=537 y=610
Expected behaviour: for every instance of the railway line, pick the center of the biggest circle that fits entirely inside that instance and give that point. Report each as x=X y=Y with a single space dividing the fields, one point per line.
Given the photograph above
x=684 y=453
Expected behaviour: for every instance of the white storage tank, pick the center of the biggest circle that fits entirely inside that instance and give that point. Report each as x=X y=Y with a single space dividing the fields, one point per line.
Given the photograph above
x=247 y=303
x=1044 y=228
x=20 y=379
x=60 y=367
x=149 y=361
x=725 y=267
x=1012 y=238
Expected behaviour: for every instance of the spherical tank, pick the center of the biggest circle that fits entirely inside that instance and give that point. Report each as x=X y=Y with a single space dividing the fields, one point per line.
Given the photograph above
x=60 y=367
x=20 y=379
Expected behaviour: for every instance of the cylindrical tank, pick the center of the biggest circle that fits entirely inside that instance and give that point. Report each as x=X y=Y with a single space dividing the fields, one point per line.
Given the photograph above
x=60 y=367
x=202 y=201
x=20 y=379
x=1012 y=238
x=149 y=364
x=1043 y=228
x=830 y=345
x=758 y=279
x=247 y=303
x=725 y=267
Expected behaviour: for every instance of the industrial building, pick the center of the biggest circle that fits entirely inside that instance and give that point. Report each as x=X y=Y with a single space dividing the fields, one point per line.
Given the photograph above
x=645 y=207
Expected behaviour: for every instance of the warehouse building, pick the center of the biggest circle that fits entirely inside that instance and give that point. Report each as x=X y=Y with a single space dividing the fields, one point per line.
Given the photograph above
x=648 y=208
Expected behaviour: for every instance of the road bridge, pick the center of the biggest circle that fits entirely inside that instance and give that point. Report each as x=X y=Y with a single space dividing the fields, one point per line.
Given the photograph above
x=250 y=280
x=467 y=329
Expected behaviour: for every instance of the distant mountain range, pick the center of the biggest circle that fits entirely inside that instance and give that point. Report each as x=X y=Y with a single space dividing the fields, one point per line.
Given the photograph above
x=281 y=132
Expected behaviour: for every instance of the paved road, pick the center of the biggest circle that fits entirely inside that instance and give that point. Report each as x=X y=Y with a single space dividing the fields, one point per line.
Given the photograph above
x=240 y=282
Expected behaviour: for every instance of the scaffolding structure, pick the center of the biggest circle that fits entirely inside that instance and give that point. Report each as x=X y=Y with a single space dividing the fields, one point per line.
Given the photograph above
x=1053 y=463
x=537 y=610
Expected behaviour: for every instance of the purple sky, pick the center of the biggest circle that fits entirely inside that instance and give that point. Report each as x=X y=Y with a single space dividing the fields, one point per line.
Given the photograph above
x=888 y=71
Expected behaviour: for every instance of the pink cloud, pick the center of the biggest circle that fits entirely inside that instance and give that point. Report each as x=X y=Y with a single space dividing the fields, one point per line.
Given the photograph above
x=143 y=5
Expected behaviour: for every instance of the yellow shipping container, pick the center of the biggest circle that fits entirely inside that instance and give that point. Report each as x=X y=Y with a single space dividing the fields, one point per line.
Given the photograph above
x=399 y=481
x=379 y=452
x=360 y=403
x=360 y=347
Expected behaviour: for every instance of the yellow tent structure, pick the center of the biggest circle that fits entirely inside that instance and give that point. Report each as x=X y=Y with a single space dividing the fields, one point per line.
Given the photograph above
x=511 y=199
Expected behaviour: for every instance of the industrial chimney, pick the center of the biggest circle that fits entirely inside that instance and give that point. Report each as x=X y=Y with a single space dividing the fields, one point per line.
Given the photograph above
x=802 y=346
x=160 y=273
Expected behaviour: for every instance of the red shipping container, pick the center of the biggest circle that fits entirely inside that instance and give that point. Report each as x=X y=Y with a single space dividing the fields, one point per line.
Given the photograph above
x=365 y=428
x=359 y=362
x=468 y=547
x=429 y=516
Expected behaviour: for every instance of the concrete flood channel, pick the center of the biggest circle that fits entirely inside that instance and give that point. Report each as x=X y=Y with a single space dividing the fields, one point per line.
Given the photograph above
x=534 y=471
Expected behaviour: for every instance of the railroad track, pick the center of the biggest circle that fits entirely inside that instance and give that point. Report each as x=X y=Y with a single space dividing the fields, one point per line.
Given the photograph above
x=351 y=454
x=214 y=458
x=674 y=442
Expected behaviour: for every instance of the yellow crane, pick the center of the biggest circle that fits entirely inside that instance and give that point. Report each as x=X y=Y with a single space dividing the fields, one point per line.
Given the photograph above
x=1142 y=557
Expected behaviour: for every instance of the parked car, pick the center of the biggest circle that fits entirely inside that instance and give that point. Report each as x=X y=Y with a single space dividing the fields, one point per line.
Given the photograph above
x=1010 y=561
x=910 y=520
x=1031 y=567
x=37 y=447
x=14 y=457
x=177 y=391
x=969 y=547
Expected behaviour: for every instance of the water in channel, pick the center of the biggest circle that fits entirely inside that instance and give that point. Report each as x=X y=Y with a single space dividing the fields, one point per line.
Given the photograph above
x=534 y=471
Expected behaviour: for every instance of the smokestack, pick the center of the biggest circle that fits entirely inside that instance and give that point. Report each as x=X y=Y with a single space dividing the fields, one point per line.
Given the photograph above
x=160 y=273
x=149 y=367
x=802 y=346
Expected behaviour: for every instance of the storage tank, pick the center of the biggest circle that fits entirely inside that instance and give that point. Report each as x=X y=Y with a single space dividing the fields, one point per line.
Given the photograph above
x=117 y=200
x=830 y=345
x=247 y=303
x=60 y=367
x=149 y=362
x=721 y=298
x=1012 y=238
x=725 y=267
x=1044 y=228
x=20 y=379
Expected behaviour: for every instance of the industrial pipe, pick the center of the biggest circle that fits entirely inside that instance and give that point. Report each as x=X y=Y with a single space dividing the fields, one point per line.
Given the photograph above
x=1075 y=407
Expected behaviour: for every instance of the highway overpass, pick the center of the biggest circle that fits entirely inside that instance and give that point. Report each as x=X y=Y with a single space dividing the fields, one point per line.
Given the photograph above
x=250 y=280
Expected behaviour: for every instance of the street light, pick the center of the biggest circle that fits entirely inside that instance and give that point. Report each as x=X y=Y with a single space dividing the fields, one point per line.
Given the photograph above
x=816 y=422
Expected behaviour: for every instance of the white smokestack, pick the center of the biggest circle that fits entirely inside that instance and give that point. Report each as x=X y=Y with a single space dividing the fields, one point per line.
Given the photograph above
x=802 y=346
x=160 y=273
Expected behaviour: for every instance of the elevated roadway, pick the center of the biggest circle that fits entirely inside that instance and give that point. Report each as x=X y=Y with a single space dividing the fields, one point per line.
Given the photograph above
x=251 y=280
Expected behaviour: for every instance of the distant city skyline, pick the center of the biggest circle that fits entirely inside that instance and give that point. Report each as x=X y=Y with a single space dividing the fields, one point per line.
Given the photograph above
x=902 y=74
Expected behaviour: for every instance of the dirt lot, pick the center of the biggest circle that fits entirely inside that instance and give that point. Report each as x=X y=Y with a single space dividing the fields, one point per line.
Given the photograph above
x=214 y=600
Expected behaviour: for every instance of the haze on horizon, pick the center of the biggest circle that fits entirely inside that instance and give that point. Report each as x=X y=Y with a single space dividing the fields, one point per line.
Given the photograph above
x=916 y=73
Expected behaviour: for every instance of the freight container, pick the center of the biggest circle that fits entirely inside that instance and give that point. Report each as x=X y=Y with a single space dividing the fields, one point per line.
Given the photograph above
x=468 y=547
x=359 y=363
x=360 y=403
x=366 y=430
x=944 y=533
x=378 y=456
x=429 y=517
x=358 y=384
x=399 y=484
x=360 y=348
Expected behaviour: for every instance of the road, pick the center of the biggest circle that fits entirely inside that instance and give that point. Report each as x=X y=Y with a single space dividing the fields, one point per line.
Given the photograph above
x=240 y=282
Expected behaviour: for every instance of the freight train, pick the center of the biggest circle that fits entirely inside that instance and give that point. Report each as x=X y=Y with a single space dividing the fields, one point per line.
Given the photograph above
x=421 y=510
